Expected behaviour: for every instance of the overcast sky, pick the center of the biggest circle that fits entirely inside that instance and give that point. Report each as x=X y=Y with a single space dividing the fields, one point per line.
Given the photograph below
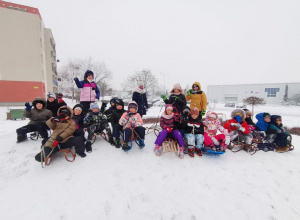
x=211 y=41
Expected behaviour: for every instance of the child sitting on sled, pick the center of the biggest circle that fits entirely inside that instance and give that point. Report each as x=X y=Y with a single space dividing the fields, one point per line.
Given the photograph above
x=95 y=122
x=132 y=122
x=211 y=138
x=168 y=124
x=194 y=131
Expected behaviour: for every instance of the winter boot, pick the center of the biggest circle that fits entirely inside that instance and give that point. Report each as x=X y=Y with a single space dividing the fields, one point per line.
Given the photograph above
x=158 y=150
x=21 y=137
x=88 y=147
x=43 y=154
x=126 y=146
x=198 y=152
x=191 y=152
x=111 y=141
x=223 y=147
x=81 y=154
x=117 y=144
x=181 y=154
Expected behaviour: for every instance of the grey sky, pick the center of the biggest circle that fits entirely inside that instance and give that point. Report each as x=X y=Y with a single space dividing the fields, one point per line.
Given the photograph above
x=211 y=41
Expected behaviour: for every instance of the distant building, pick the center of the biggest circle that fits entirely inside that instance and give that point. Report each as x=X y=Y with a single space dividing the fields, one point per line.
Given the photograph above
x=27 y=55
x=272 y=93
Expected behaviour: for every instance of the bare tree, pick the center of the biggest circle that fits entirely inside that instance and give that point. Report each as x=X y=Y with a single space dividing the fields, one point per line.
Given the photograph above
x=77 y=68
x=253 y=100
x=149 y=79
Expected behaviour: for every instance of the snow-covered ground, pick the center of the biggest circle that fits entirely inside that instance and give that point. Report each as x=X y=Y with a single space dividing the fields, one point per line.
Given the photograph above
x=112 y=184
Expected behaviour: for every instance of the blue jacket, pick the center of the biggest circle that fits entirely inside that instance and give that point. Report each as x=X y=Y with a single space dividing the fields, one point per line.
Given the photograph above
x=141 y=100
x=261 y=124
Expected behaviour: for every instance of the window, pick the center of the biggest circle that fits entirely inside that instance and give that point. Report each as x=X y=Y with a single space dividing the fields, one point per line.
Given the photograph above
x=271 y=92
x=230 y=99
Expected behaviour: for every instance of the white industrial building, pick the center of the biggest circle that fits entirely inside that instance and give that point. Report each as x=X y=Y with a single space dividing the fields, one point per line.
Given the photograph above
x=272 y=93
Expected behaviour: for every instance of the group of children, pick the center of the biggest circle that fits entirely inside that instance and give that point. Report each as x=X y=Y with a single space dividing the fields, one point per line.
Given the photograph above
x=178 y=122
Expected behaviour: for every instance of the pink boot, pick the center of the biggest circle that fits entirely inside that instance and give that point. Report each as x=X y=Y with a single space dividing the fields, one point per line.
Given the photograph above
x=181 y=154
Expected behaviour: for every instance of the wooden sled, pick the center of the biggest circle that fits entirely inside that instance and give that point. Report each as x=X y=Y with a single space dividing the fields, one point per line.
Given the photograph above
x=170 y=145
x=70 y=158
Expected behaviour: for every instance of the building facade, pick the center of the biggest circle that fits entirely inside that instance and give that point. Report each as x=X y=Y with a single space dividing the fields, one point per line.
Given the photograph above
x=27 y=55
x=272 y=93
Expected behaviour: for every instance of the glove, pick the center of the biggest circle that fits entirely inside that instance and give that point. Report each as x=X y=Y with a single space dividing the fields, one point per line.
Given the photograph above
x=28 y=106
x=55 y=143
x=203 y=112
x=242 y=129
x=128 y=115
x=75 y=78
x=190 y=92
x=278 y=131
x=168 y=129
x=237 y=125
x=164 y=97
x=62 y=117
x=133 y=125
x=54 y=120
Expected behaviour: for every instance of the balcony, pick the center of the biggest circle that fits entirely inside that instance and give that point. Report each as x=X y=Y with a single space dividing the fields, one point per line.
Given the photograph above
x=53 y=44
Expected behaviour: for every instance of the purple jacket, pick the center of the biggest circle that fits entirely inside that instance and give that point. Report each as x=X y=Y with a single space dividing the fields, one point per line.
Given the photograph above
x=89 y=91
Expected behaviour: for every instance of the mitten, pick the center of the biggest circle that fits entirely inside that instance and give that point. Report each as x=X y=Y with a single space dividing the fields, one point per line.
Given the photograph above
x=168 y=129
x=190 y=92
x=128 y=116
x=242 y=129
x=55 y=143
x=164 y=97
x=75 y=78
x=203 y=112
x=28 y=106
x=54 y=120
x=133 y=125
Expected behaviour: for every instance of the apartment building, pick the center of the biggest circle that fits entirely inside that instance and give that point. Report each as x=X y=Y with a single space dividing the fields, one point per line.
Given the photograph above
x=27 y=55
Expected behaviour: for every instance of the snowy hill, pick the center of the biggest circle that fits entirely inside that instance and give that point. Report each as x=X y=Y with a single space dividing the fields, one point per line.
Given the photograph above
x=112 y=184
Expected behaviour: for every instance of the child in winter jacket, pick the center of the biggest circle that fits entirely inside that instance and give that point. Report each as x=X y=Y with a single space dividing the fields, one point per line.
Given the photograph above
x=78 y=118
x=38 y=116
x=168 y=124
x=114 y=115
x=140 y=97
x=194 y=131
x=263 y=121
x=197 y=97
x=53 y=104
x=238 y=128
x=95 y=122
x=277 y=135
x=177 y=98
x=89 y=90
x=62 y=136
x=132 y=121
x=211 y=138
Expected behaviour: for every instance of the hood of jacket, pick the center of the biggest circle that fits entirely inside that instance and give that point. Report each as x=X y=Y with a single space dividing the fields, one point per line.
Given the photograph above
x=238 y=111
x=273 y=120
x=198 y=84
x=67 y=107
x=39 y=100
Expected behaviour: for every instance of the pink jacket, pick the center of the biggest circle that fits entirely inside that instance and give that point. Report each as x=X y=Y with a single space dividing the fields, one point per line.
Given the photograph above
x=126 y=121
x=212 y=127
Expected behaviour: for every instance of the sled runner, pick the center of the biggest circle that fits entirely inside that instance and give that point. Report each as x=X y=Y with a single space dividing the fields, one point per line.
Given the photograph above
x=133 y=138
x=68 y=154
x=237 y=146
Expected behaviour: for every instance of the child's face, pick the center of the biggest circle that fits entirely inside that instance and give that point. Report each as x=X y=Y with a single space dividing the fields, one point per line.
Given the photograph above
x=119 y=107
x=194 y=116
x=112 y=104
x=39 y=105
x=77 y=112
x=278 y=121
x=90 y=77
x=176 y=90
x=211 y=119
x=132 y=110
x=248 y=116
x=267 y=120
x=169 y=111
x=95 y=110
x=51 y=99
x=196 y=88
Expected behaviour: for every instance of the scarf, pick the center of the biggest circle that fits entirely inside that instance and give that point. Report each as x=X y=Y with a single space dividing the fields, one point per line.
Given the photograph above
x=138 y=90
x=164 y=115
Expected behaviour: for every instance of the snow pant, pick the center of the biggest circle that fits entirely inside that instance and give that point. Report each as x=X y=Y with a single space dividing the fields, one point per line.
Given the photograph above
x=128 y=132
x=97 y=128
x=247 y=138
x=281 y=140
x=77 y=142
x=216 y=139
x=191 y=138
x=86 y=107
x=117 y=128
x=41 y=127
x=173 y=134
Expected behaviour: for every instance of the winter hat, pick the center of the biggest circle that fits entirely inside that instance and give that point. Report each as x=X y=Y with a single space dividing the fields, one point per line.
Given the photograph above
x=213 y=115
x=266 y=115
x=88 y=73
x=177 y=86
x=186 y=109
x=113 y=100
x=169 y=106
x=239 y=112
x=51 y=95
x=65 y=111
x=94 y=105
x=60 y=95
x=140 y=83
x=195 y=111
x=119 y=102
x=132 y=104
x=78 y=108
x=248 y=112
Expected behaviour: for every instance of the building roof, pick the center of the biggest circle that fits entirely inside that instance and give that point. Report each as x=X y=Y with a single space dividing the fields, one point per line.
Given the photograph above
x=18 y=7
